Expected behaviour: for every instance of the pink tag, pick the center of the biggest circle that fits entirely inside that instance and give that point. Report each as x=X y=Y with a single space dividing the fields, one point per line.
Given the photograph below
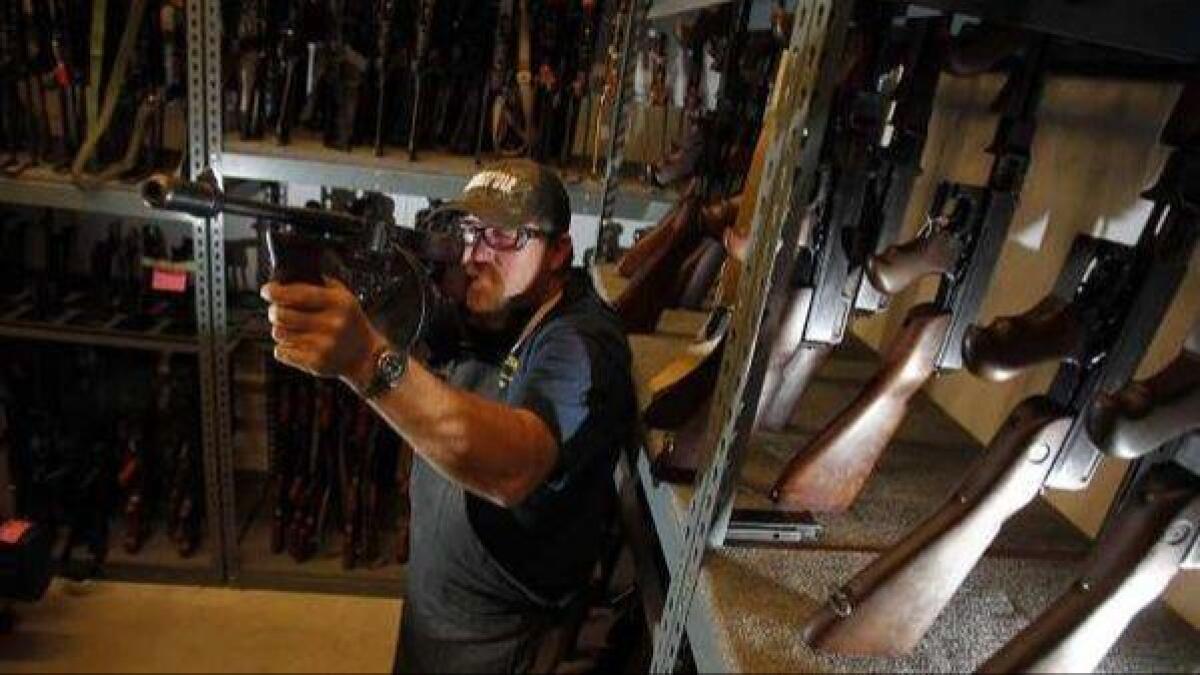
x=11 y=531
x=172 y=281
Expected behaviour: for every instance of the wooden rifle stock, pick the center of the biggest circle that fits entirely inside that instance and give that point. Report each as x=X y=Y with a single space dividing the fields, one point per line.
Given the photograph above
x=643 y=300
x=1130 y=566
x=887 y=607
x=829 y=474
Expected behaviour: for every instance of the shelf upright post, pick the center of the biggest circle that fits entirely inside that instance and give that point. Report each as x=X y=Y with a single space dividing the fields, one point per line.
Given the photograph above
x=800 y=101
x=618 y=127
x=204 y=143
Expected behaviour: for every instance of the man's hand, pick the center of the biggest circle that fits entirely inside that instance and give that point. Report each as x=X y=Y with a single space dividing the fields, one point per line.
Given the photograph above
x=322 y=330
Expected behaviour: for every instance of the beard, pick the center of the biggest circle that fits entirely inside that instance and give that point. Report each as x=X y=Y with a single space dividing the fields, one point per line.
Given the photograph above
x=488 y=307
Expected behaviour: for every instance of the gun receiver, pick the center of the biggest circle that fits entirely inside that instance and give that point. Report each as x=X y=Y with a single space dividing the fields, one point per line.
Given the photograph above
x=1154 y=533
x=380 y=261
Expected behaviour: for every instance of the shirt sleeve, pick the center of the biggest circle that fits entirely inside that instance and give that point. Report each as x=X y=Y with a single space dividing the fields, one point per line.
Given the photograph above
x=562 y=383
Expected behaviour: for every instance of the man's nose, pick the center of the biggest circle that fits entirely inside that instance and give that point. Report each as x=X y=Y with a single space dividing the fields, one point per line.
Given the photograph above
x=478 y=252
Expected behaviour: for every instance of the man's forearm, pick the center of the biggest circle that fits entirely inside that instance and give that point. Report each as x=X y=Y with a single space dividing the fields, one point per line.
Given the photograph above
x=498 y=452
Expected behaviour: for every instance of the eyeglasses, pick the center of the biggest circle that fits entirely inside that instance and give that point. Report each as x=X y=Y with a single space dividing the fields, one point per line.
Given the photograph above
x=497 y=238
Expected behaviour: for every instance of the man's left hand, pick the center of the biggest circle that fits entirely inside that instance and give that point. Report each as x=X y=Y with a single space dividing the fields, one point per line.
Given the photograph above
x=322 y=330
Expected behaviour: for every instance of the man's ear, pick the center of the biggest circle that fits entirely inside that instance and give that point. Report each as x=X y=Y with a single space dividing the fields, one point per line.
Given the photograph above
x=561 y=253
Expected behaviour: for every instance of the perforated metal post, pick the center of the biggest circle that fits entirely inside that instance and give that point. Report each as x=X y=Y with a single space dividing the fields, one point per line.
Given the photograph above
x=223 y=417
x=799 y=104
x=631 y=43
x=197 y=144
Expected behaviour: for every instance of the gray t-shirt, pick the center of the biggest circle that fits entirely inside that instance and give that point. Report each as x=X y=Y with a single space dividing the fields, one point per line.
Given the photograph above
x=480 y=570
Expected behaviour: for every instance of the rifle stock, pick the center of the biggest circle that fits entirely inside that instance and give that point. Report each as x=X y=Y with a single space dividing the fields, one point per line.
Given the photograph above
x=1129 y=568
x=830 y=473
x=887 y=607
x=643 y=300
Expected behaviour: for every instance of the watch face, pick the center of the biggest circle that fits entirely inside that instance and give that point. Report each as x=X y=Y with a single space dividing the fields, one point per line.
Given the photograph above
x=392 y=366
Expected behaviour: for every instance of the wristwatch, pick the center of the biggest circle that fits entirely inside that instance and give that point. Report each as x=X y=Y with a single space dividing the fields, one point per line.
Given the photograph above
x=390 y=367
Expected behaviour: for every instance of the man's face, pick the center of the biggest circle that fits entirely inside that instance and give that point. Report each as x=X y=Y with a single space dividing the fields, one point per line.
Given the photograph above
x=503 y=266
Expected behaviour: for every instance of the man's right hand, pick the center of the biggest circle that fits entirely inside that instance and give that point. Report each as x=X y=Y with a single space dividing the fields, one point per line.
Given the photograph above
x=322 y=330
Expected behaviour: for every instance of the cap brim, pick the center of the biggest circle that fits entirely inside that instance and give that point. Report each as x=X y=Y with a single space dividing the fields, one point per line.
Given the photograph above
x=487 y=210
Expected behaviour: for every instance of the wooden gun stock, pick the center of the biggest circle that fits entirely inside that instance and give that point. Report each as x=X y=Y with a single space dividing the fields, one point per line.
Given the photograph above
x=1129 y=568
x=1146 y=414
x=829 y=474
x=1051 y=331
x=792 y=364
x=683 y=385
x=887 y=607
x=900 y=266
x=643 y=300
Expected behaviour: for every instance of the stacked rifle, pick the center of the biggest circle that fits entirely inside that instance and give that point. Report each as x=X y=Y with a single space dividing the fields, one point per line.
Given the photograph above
x=97 y=440
x=335 y=468
x=95 y=89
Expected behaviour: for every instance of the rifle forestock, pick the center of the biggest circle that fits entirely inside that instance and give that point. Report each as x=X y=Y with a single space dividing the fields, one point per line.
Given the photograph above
x=889 y=606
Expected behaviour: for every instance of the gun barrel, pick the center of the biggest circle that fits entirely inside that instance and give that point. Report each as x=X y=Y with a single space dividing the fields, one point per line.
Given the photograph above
x=206 y=200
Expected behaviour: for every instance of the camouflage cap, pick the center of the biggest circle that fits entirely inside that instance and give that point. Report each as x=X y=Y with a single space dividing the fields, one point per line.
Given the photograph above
x=515 y=193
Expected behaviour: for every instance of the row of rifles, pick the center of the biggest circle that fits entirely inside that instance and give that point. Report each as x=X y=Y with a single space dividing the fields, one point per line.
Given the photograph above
x=504 y=77
x=336 y=468
x=111 y=287
x=87 y=87
x=94 y=437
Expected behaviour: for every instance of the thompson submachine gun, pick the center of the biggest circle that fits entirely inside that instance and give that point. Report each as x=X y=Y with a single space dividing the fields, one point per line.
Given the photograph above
x=873 y=170
x=888 y=606
x=830 y=472
x=378 y=260
x=1151 y=533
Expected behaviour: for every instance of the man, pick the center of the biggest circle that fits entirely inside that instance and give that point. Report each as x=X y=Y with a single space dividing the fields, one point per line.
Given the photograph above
x=513 y=485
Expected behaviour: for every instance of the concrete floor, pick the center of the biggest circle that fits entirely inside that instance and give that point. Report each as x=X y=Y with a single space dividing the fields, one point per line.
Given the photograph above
x=122 y=627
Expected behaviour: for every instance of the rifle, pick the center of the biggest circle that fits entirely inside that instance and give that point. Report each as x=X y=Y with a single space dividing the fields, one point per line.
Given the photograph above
x=251 y=40
x=1150 y=533
x=383 y=263
x=386 y=13
x=289 y=406
x=289 y=52
x=978 y=217
x=420 y=55
x=307 y=494
x=579 y=88
x=132 y=480
x=873 y=161
x=887 y=607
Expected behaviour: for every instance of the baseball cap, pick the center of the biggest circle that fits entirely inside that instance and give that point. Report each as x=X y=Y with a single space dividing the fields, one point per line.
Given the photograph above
x=514 y=193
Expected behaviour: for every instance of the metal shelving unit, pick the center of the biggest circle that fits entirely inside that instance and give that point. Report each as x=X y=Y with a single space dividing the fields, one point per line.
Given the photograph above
x=42 y=187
